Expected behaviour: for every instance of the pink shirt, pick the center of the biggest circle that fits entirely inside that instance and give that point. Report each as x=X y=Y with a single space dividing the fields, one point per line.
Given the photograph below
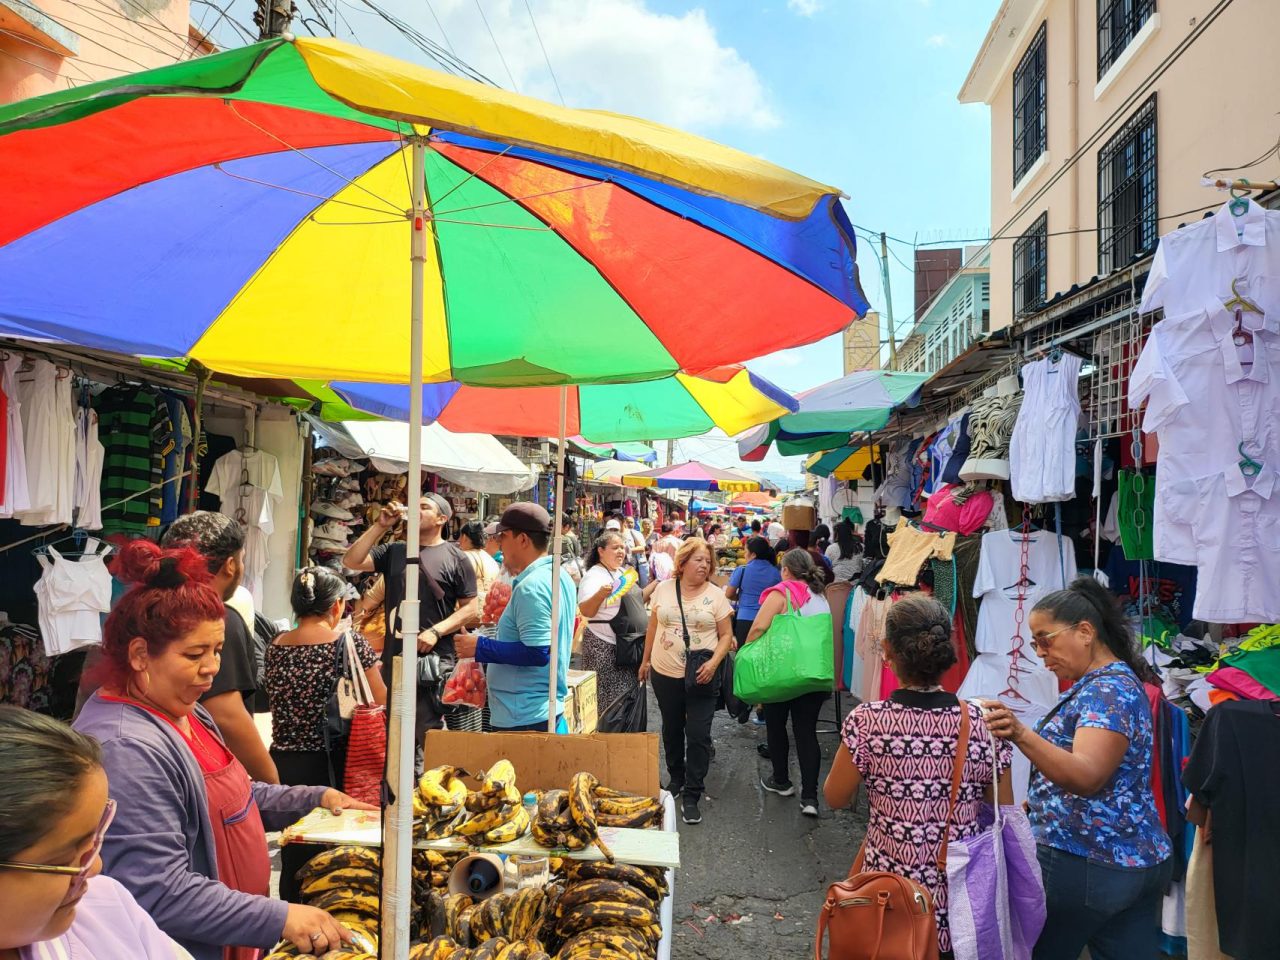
x=943 y=513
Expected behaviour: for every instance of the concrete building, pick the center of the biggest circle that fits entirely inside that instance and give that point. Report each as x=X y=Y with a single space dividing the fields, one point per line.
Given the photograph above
x=48 y=45
x=861 y=343
x=1104 y=116
x=956 y=315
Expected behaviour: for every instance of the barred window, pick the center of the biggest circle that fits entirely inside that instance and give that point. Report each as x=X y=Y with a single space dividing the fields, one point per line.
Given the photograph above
x=1030 y=126
x=1118 y=23
x=1127 y=206
x=1031 y=267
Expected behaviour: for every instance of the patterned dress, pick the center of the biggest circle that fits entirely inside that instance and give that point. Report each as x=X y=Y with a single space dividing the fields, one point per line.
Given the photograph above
x=905 y=749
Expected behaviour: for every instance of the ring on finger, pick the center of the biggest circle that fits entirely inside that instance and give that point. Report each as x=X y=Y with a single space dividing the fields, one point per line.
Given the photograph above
x=317 y=936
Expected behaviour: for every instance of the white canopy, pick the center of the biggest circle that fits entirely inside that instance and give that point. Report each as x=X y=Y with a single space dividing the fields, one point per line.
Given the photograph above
x=473 y=460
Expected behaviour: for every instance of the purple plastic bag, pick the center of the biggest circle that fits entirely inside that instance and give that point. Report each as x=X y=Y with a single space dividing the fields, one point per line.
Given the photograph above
x=995 y=894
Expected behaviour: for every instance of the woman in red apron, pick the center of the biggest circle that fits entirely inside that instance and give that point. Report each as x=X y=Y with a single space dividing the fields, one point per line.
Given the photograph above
x=189 y=839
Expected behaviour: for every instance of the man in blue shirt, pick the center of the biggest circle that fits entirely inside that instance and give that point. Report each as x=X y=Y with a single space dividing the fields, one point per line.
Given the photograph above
x=519 y=658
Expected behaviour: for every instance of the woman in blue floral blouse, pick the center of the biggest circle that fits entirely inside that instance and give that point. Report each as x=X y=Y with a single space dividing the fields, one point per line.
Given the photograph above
x=1102 y=850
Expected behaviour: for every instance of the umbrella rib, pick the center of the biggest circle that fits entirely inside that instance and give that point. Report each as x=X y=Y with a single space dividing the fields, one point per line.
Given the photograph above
x=469 y=177
x=306 y=156
x=532 y=196
x=302 y=193
x=495 y=226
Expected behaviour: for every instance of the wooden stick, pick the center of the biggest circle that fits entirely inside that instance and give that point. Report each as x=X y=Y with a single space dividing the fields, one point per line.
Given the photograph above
x=1247 y=184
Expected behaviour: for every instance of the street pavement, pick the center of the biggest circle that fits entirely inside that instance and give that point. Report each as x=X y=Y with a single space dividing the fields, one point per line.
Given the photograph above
x=754 y=873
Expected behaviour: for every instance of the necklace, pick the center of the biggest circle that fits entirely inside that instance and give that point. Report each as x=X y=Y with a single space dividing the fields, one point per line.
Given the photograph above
x=936 y=688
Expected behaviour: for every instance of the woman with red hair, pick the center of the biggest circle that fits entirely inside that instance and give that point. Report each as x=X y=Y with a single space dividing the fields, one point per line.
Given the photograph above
x=188 y=840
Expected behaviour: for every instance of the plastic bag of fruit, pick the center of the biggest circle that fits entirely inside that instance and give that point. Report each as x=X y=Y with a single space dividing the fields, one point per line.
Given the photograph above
x=496 y=602
x=466 y=686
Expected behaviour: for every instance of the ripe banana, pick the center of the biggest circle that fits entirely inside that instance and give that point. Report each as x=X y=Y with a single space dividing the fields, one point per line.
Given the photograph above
x=594 y=951
x=360 y=878
x=627 y=805
x=518 y=950
x=336 y=858
x=623 y=939
x=649 y=879
x=602 y=891
x=524 y=912
x=588 y=915
x=513 y=829
x=454 y=905
x=489 y=950
x=441 y=829
x=441 y=948
x=638 y=820
x=442 y=787
x=581 y=803
x=498 y=778
x=482 y=823
x=348 y=900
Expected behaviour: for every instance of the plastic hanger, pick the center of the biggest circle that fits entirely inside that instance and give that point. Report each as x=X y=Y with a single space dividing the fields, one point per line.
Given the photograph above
x=1240 y=305
x=1239 y=202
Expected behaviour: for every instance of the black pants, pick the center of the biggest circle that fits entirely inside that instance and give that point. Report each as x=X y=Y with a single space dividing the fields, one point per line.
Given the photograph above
x=427 y=715
x=803 y=711
x=301 y=768
x=740 y=630
x=686 y=732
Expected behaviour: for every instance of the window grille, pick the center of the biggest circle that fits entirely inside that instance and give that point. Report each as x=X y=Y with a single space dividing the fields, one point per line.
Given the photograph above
x=1127 y=196
x=1031 y=267
x=1118 y=23
x=1030 y=127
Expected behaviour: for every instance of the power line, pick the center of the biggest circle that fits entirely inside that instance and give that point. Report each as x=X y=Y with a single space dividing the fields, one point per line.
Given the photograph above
x=510 y=75
x=440 y=26
x=550 y=69
x=449 y=61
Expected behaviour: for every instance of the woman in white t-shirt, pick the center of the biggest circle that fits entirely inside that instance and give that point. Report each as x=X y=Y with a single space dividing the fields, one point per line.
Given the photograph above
x=606 y=562
x=846 y=553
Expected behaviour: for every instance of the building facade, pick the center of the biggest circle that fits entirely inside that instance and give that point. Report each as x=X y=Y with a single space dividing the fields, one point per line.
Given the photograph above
x=955 y=316
x=49 y=45
x=1104 y=116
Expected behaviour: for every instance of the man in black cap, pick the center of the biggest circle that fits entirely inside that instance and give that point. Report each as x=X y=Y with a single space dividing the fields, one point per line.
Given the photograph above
x=519 y=659
x=446 y=589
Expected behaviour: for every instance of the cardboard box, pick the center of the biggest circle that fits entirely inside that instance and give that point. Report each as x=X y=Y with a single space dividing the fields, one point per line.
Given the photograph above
x=583 y=691
x=569 y=709
x=621 y=761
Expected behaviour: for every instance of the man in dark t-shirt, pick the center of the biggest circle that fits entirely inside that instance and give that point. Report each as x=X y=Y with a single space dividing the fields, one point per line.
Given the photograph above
x=446 y=591
x=220 y=540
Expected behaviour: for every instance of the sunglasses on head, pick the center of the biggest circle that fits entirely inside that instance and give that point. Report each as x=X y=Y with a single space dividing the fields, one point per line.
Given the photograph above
x=78 y=872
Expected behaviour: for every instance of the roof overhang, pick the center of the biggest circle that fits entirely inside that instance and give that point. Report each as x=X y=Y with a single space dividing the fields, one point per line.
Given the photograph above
x=1013 y=22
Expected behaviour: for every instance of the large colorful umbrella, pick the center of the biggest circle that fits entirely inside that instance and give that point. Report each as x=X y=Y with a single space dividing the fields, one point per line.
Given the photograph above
x=731 y=398
x=627 y=451
x=843 y=463
x=612 y=471
x=277 y=210
x=754 y=499
x=828 y=414
x=691 y=475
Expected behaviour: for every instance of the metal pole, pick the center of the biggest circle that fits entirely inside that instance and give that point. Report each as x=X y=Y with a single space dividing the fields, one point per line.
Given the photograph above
x=398 y=854
x=671 y=451
x=273 y=17
x=553 y=667
x=888 y=301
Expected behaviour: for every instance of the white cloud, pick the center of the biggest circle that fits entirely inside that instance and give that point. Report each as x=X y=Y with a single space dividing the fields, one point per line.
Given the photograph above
x=937 y=40
x=615 y=55
x=806 y=8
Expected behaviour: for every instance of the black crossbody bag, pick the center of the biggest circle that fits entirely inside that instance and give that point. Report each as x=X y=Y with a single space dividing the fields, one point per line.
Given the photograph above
x=694 y=659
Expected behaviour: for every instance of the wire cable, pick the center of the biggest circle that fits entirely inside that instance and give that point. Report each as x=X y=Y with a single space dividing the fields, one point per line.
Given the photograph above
x=510 y=75
x=440 y=26
x=550 y=69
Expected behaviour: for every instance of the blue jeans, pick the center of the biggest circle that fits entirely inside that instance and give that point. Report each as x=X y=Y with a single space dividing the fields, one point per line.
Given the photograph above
x=1114 y=911
x=642 y=568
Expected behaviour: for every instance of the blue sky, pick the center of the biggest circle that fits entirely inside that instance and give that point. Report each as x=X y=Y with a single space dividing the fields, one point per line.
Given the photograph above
x=857 y=93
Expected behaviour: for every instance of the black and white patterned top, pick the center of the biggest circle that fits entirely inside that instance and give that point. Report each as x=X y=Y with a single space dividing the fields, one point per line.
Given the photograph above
x=299 y=679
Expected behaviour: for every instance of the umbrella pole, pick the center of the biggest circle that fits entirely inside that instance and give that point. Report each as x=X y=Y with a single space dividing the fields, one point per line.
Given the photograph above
x=557 y=535
x=397 y=908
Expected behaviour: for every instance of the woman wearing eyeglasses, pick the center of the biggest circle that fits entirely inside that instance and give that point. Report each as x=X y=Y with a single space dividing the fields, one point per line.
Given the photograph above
x=1104 y=855
x=53 y=902
x=189 y=840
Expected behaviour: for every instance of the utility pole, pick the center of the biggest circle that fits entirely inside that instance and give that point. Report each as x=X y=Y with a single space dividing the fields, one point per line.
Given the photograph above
x=273 y=17
x=888 y=300
x=671 y=451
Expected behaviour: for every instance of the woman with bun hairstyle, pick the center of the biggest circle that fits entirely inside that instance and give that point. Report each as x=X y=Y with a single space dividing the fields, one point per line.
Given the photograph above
x=303 y=667
x=1104 y=855
x=54 y=900
x=802 y=588
x=188 y=839
x=904 y=750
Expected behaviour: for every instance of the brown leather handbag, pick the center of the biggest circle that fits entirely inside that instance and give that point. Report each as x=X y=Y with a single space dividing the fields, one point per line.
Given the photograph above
x=882 y=916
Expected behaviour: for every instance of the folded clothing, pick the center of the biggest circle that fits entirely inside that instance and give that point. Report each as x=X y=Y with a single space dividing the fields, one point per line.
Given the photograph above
x=1235 y=680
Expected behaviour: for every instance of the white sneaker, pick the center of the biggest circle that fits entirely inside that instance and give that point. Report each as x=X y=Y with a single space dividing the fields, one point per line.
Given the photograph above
x=334 y=530
x=336 y=467
x=809 y=808
x=347 y=501
x=330 y=510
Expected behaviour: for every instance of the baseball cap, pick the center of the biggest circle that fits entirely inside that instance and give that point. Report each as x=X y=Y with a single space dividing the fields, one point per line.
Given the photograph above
x=525 y=518
x=491 y=530
x=613 y=524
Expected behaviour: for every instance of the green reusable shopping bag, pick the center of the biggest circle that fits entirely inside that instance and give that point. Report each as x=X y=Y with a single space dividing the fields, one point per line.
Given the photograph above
x=796 y=655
